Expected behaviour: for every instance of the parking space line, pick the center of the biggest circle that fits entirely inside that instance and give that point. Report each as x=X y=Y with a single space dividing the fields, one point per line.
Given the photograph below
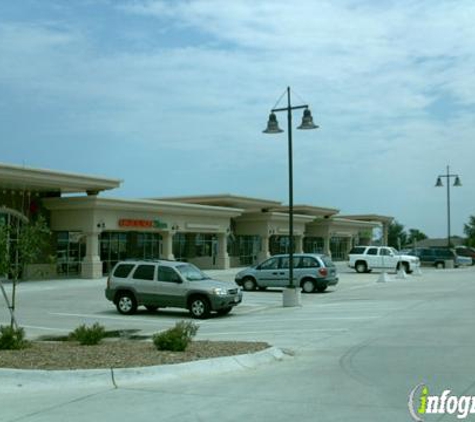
x=115 y=318
x=313 y=330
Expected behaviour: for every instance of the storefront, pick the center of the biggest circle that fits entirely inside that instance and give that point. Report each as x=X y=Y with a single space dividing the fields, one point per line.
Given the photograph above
x=90 y=234
x=116 y=229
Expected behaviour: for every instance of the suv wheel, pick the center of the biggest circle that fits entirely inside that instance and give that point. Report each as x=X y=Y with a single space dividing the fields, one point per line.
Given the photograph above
x=199 y=307
x=308 y=286
x=361 y=267
x=126 y=303
x=249 y=284
x=440 y=265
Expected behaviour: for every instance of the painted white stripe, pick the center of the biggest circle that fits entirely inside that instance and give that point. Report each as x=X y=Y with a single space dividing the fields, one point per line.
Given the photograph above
x=303 y=331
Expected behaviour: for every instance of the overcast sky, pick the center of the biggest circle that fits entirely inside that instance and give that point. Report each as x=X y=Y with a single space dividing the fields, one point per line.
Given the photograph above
x=172 y=97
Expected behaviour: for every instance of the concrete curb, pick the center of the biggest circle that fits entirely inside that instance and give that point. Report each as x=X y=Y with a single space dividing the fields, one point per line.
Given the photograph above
x=13 y=380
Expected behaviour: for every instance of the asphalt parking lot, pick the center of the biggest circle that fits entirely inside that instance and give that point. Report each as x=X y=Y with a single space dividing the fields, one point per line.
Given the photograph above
x=358 y=350
x=58 y=306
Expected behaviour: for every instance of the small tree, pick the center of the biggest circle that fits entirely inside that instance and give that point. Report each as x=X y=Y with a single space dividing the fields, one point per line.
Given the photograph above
x=396 y=235
x=469 y=230
x=415 y=236
x=33 y=237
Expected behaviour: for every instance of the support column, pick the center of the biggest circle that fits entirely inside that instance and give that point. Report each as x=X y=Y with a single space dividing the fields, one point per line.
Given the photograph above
x=298 y=244
x=167 y=244
x=264 y=253
x=326 y=246
x=349 y=246
x=222 y=258
x=385 y=234
x=91 y=266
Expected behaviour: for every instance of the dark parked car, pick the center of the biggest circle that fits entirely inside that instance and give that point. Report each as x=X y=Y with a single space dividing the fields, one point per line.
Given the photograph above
x=436 y=257
x=311 y=272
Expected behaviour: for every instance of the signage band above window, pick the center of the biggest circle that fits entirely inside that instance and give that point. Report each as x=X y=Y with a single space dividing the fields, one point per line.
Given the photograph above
x=143 y=224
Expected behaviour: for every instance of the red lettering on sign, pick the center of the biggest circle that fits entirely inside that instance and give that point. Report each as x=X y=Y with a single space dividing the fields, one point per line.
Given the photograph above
x=126 y=222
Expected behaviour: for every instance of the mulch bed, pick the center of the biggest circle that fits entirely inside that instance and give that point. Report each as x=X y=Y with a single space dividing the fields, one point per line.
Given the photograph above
x=116 y=354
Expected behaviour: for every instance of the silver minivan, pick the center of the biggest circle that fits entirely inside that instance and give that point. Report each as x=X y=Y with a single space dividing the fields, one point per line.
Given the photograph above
x=312 y=272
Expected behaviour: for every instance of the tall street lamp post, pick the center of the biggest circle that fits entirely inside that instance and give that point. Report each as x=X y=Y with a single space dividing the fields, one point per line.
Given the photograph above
x=273 y=128
x=438 y=184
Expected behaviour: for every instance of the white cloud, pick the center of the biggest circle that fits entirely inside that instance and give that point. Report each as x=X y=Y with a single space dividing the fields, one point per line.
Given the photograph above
x=371 y=72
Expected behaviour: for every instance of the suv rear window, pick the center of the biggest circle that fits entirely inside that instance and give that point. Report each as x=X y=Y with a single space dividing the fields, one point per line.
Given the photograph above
x=123 y=270
x=144 y=272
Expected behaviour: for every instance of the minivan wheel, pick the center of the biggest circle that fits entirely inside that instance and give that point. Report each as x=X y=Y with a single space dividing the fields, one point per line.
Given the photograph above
x=249 y=284
x=308 y=286
x=440 y=265
x=126 y=303
x=199 y=307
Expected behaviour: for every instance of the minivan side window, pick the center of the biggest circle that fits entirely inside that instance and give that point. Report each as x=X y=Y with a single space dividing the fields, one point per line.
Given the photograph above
x=308 y=262
x=144 y=272
x=123 y=270
x=284 y=262
x=270 y=264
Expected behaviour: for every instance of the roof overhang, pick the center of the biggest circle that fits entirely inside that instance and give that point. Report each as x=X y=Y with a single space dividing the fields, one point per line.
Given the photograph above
x=139 y=205
x=13 y=177
x=321 y=212
x=275 y=216
x=226 y=200
x=384 y=219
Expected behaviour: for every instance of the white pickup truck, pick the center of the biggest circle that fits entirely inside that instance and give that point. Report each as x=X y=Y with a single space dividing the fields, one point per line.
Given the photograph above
x=366 y=258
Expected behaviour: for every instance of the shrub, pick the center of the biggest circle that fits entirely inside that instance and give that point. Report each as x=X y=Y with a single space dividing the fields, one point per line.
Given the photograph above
x=12 y=338
x=88 y=336
x=176 y=339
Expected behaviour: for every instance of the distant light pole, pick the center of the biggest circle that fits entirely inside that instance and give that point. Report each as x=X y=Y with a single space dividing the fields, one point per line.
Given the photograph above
x=273 y=128
x=439 y=184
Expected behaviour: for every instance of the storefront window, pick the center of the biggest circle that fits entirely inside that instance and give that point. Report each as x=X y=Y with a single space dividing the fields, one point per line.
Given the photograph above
x=194 y=245
x=313 y=245
x=280 y=244
x=113 y=248
x=246 y=248
x=117 y=246
x=339 y=248
x=70 y=250
x=14 y=222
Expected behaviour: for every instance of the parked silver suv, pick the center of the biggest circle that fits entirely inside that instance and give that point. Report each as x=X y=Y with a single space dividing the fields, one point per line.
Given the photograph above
x=161 y=284
x=311 y=272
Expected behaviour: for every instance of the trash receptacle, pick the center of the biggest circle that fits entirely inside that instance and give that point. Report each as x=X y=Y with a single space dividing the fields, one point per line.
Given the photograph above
x=449 y=263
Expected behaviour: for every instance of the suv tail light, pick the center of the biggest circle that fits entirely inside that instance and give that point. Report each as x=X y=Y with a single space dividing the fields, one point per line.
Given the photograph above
x=323 y=272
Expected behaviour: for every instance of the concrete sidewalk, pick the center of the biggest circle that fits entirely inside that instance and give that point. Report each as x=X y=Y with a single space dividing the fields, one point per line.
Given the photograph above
x=34 y=380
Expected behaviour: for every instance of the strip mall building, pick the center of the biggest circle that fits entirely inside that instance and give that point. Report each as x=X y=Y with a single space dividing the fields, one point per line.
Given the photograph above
x=92 y=232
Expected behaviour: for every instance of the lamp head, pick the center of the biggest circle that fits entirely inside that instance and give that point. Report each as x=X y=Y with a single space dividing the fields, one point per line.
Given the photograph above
x=439 y=183
x=272 y=125
x=457 y=181
x=307 y=120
